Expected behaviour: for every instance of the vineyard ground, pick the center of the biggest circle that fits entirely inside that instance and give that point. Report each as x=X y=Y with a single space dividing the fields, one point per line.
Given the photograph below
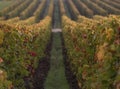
x=56 y=78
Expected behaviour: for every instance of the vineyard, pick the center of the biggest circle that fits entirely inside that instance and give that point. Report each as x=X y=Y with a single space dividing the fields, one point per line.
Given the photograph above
x=59 y=44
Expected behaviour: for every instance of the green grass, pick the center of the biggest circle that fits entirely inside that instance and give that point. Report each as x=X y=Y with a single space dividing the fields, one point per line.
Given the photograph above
x=56 y=77
x=4 y=4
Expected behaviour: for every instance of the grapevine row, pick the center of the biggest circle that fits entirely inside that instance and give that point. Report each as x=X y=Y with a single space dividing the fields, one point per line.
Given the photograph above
x=19 y=9
x=21 y=47
x=72 y=9
x=29 y=10
x=39 y=10
x=62 y=8
x=116 y=1
x=66 y=9
x=11 y=8
x=112 y=3
x=50 y=10
x=83 y=9
x=107 y=7
x=93 y=48
x=96 y=9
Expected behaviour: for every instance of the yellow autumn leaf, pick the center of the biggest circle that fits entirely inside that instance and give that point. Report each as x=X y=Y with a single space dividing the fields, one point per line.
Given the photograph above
x=101 y=52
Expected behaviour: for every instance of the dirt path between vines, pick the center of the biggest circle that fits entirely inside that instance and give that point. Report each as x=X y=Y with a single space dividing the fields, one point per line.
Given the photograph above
x=53 y=71
x=56 y=78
